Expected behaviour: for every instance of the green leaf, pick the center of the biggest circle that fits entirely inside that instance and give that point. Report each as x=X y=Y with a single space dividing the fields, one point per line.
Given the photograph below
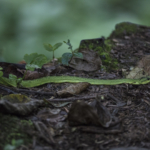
x=1 y=68
x=31 y=67
x=1 y=73
x=29 y=58
x=66 y=58
x=70 y=47
x=56 y=46
x=78 y=55
x=40 y=60
x=19 y=80
x=69 y=44
x=48 y=47
x=12 y=77
x=35 y=60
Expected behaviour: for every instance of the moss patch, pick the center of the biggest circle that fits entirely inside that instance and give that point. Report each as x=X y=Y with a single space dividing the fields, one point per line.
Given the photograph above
x=103 y=49
x=124 y=28
x=109 y=63
x=12 y=128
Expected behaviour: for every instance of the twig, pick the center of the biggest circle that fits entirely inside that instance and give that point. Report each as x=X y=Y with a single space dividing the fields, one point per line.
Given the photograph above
x=114 y=98
x=35 y=92
x=7 y=89
x=118 y=101
x=99 y=131
x=71 y=99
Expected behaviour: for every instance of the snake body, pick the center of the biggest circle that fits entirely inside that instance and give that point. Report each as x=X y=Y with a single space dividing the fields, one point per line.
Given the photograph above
x=70 y=79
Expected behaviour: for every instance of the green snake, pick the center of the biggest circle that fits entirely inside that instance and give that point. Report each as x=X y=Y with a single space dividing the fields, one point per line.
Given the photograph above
x=71 y=79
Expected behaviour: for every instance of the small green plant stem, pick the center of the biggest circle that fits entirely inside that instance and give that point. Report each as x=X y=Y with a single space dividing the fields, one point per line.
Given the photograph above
x=53 y=55
x=24 y=74
x=18 y=83
x=71 y=56
x=72 y=51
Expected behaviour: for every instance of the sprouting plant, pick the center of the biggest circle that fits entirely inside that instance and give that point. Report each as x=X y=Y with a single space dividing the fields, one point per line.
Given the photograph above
x=14 y=78
x=1 y=72
x=66 y=57
x=33 y=61
x=50 y=48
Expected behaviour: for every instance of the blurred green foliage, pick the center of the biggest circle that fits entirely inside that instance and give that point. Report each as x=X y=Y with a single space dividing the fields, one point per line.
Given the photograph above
x=26 y=25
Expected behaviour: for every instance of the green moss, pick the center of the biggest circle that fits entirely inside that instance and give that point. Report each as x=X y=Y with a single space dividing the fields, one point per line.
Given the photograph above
x=91 y=43
x=124 y=28
x=108 y=62
x=12 y=128
x=103 y=49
